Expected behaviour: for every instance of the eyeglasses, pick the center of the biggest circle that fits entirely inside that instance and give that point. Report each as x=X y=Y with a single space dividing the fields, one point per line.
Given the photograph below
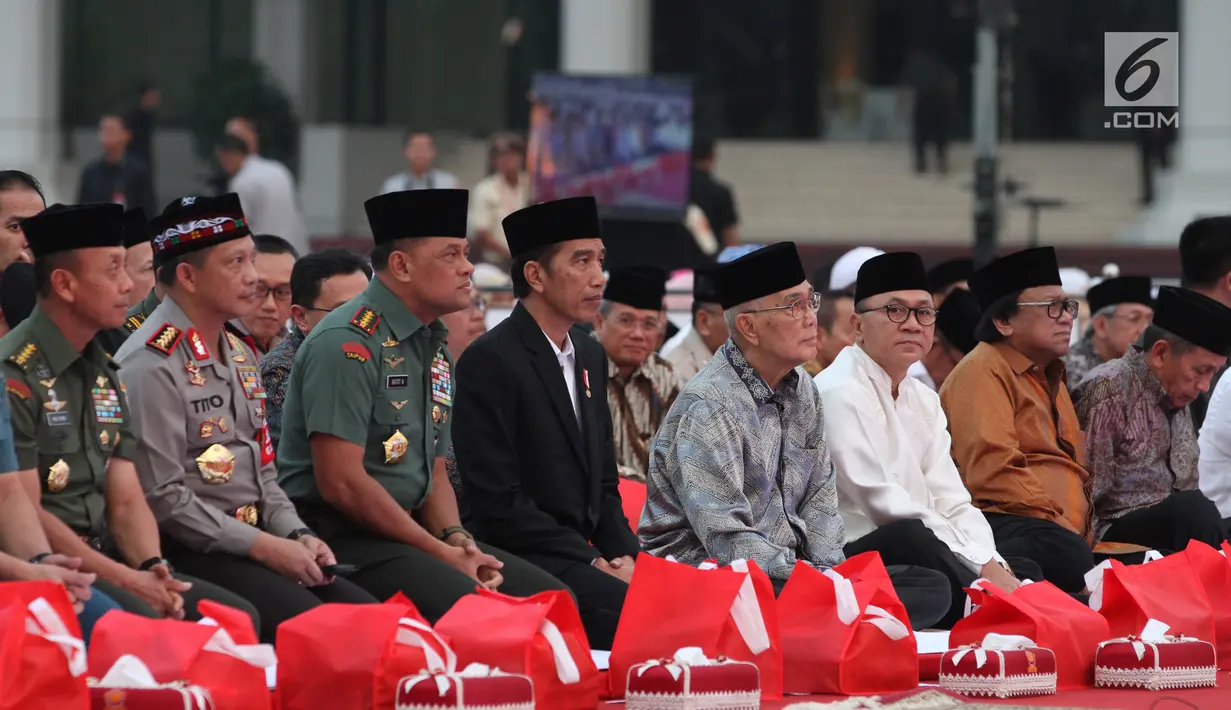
x=898 y=313
x=479 y=303
x=280 y=293
x=628 y=322
x=1055 y=308
x=812 y=303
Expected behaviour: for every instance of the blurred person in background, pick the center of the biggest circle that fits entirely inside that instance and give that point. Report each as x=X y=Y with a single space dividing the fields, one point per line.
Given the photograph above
x=142 y=122
x=956 y=320
x=321 y=282
x=465 y=326
x=834 y=330
x=713 y=196
x=641 y=385
x=21 y=196
x=693 y=347
x=497 y=196
x=419 y=148
x=927 y=83
x=845 y=270
x=1076 y=284
x=1122 y=308
x=949 y=275
x=265 y=327
x=1205 y=263
x=139 y=255
x=266 y=189
x=116 y=176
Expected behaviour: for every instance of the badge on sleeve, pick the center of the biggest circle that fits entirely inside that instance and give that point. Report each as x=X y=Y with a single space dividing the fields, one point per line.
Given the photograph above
x=57 y=476
x=395 y=447
x=18 y=389
x=356 y=351
x=442 y=380
x=267 y=445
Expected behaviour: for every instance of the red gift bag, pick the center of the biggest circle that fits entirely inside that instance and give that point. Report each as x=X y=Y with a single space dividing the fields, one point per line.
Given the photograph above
x=844 y=631
x=129 y=685
x=539 y=636
x=1043 y=614
x=351 y=656
x=727 y=611
x=202 y=654
x=1213 y=569
x=42 y=657
x=632 y=498
x=1167 y=589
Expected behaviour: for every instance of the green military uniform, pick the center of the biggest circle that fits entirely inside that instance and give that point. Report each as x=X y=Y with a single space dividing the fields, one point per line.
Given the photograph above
x=366 y=380
x=70 y=416
x=373 y=375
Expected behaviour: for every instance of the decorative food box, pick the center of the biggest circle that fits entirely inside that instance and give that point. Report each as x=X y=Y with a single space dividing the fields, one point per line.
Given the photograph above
x=1001 y=666
x=166 y=698
x=690 y=681
x=477 y=687
x=1155 y=661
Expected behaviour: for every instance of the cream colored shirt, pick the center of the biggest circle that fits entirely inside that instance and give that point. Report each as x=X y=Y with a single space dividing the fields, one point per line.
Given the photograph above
x=493 y=199
x=687 y=353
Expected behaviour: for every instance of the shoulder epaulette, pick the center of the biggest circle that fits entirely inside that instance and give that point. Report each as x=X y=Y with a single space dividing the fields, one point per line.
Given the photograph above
x=366 y=320
x=22 y=357
x=134 y=322
x=165 y=340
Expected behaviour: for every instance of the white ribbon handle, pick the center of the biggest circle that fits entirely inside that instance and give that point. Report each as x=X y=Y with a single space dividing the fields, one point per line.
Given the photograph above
x=889 y=624
x=848 y=604
x=566 y=667
x=45 y=622
x=1094 y=578
x=993 y=642
x=131 y=673
x=260 y=655
x=1151 y=556
x=413 y=633
x=746 y=612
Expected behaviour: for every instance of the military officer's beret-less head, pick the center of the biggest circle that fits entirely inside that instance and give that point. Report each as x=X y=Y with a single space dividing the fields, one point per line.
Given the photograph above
x=136 y=227
x=67 y=227
x=550 y=223
x=193 y=223
x=763 y=272
x=418 y=213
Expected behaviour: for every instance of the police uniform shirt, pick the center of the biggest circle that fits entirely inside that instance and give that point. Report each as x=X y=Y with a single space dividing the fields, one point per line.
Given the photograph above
x=69 y=416
x=203 y=451
x=372 y=374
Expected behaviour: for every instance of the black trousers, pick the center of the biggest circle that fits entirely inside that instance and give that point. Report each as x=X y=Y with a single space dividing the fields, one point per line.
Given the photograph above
x=1062 y=555
x=201 y=589
x=276 y=598
x=600 y=597
x=910 y=542
x=1169 y=525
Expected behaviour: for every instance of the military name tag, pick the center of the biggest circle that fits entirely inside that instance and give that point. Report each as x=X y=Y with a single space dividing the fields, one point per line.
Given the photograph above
x=106 y=405
x=59 y=419
x=250 y=378
x=442 y=381
x=397 y=382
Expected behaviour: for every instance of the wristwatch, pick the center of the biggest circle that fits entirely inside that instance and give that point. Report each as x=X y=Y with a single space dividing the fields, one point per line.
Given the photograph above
x=39 y=557
x=300 y=532
x=152 y=563
x=455 y=529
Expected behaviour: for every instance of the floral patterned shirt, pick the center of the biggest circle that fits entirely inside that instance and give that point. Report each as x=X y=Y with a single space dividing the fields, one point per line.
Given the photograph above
x=1139 y=448
x=741 y=471
x=1081 y=360
x=275 y=373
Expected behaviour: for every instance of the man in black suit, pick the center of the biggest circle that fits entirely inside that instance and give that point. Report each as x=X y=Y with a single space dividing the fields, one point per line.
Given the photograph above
x=531 y=428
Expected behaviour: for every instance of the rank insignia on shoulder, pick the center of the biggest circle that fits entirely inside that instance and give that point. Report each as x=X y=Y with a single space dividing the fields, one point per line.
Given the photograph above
x=22 y=357
x=17 y=388
x=134 y=322
x=165 y=340
x=366 y=320
x=356 y=351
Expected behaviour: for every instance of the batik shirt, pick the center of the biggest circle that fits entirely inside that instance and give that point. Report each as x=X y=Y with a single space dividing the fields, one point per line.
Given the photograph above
x=1139 y=447
x=275 y=373
x=1081 y=360
x=638 y=404
x=742 y=471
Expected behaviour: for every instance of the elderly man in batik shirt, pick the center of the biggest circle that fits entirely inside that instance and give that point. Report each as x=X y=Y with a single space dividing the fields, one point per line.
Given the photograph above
x=740 y=468
x=1142 y=447
x=1122 y=308
x=641 y=385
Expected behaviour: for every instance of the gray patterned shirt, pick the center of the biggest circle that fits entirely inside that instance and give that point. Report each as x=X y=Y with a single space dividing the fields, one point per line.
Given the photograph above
x=1080 y=361
x=742 y=472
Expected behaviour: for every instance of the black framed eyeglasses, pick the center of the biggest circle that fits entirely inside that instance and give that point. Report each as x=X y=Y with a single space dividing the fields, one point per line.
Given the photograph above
x=898 y=313
x=811 y=302
x=1055 y=308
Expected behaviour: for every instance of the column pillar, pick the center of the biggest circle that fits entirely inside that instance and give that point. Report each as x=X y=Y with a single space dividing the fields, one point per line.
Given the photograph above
x=30 y=109
x=1201 y=180
x=605 y=36
x=281 y=35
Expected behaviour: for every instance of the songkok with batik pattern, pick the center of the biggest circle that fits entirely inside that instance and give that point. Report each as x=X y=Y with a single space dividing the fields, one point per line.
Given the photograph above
x=193 y=223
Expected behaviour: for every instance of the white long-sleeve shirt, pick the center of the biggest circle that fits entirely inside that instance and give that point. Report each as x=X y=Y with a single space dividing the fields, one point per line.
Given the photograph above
x=1214 y=462
x=893 y=457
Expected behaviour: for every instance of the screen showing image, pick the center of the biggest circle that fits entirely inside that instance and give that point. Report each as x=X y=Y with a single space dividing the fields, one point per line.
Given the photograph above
x=625 y=140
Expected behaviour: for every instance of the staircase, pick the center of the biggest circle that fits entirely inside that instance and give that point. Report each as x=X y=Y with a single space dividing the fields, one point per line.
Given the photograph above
x=867 y=193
